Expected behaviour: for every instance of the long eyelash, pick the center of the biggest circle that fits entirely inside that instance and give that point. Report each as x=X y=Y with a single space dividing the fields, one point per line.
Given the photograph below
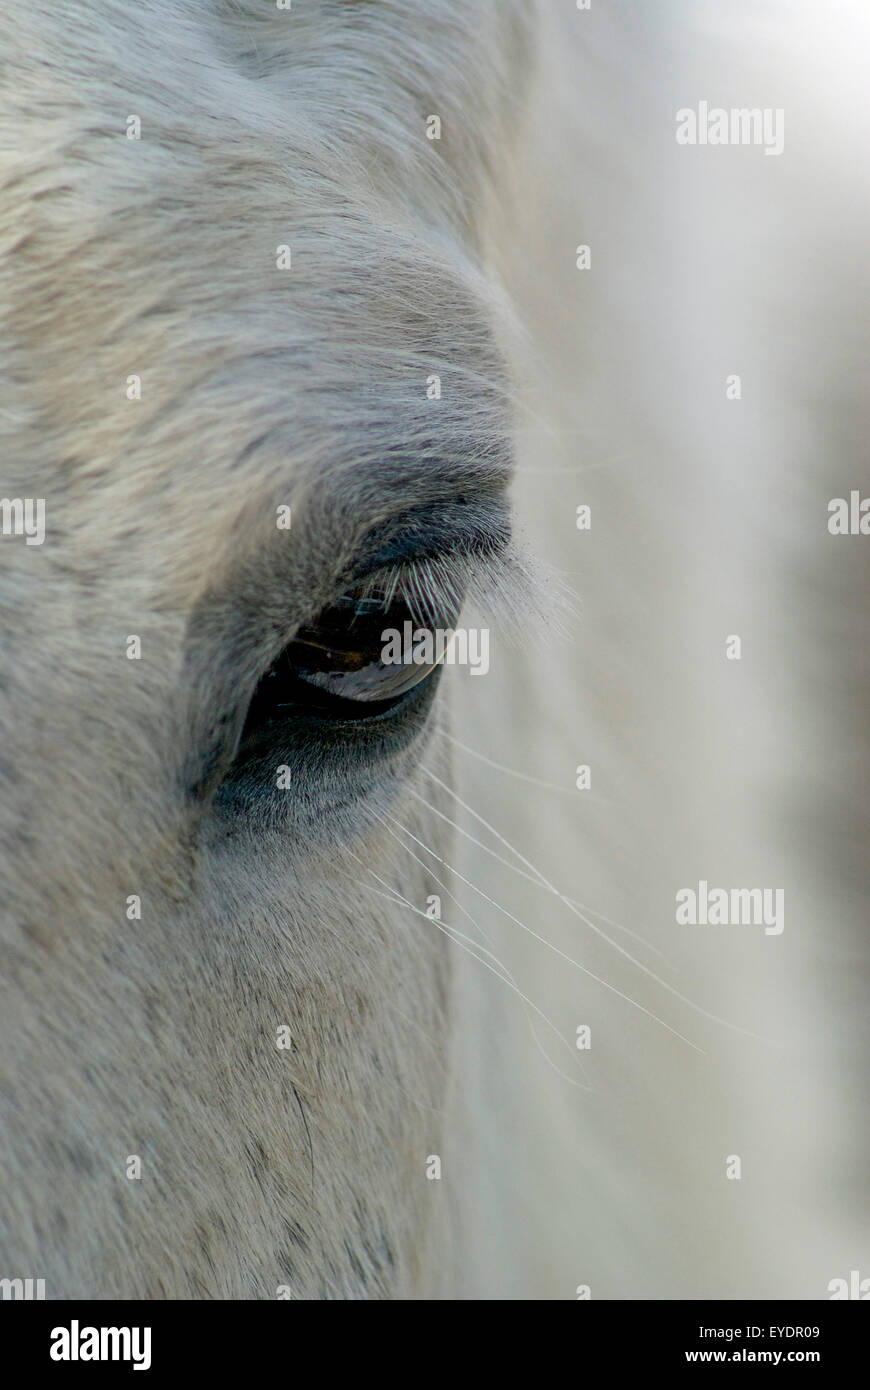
x=508 y=588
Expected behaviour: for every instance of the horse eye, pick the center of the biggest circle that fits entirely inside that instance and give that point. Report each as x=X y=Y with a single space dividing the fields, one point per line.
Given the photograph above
x=360 y=653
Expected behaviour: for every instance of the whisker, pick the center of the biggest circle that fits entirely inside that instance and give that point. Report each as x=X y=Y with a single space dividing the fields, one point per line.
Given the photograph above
x=429 y=871
x=541 y=882
x=472 y=948
x=572 y=907
x=479 y=929
x=490 y=762
x=570 y=959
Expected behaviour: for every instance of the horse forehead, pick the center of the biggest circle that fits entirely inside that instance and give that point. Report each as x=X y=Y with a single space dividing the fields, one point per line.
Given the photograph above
x=196 y=335
x=225 y=391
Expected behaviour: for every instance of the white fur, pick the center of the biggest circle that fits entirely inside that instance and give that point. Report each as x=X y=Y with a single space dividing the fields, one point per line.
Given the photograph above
x=306 y=1169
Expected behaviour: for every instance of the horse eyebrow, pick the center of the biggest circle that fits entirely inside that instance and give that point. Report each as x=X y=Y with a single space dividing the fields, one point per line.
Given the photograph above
x=469 y=526
x=434 y=556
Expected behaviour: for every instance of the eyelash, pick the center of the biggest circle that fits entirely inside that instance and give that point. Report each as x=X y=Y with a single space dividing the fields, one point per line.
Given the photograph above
x=430 y=588
x=524 y=597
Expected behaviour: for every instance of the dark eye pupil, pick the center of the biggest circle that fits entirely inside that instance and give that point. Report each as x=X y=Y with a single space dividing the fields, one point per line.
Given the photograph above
x=353 y=662
x=344 y=639
x=362 y=651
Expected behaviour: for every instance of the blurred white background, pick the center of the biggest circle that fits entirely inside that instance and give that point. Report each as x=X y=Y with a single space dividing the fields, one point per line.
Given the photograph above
x=709 y=518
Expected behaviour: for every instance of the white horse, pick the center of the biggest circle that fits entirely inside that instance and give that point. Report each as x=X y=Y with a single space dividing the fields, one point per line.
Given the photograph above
x=306 y=991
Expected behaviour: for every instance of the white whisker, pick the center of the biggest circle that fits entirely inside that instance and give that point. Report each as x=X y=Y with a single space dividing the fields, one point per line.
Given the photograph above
x=564 y=955
x=572 y=907
x=500 y=767
x=479 y=929
x=541 y=882
x=472 y=948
